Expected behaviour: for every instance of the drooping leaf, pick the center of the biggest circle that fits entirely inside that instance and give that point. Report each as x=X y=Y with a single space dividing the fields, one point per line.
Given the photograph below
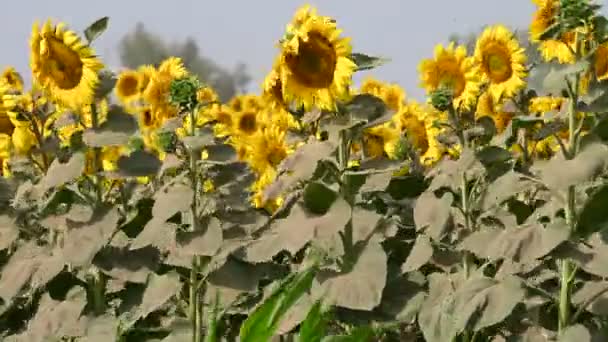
x=115 y=131
x=84 y=240
x=559 y=173
x=58 y=318
x=231 y=280
x=159 y=290
x=591 y=256
x=62 y=173
x=432 y=214
x=520 y=243
x=366 y=108
x=594 y=295
x=364 y=223
x=555 y=81
x=206 y=242
x=197 y=142
x=592 y=218
x=170 y=200
x=403 y=296
x=503 y=188
x=283 y=236
x=361 y=288
x=100 y=329
x=420 y=254
x=132 y=266
x=94 y=30
x=318 y=197
x=19 y=269
x=138 y=164
x=365 y=62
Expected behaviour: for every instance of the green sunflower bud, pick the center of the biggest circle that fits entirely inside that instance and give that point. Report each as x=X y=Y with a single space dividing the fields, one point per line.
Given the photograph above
x=442 y=99
x=182 y=92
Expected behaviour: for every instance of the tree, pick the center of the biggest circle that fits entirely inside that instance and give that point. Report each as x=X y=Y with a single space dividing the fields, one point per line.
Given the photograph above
x=143 y=47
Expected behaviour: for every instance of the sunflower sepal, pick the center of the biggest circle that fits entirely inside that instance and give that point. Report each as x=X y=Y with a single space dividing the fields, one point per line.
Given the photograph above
x=96 y=29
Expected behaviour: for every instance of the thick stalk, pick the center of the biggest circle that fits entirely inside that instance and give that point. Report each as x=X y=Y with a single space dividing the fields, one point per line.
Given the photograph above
x=195 y=308
x=96 y=158
x=567 y=271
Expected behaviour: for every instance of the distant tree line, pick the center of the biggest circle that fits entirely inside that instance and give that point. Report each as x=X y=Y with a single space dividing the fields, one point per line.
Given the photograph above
x=141 y=47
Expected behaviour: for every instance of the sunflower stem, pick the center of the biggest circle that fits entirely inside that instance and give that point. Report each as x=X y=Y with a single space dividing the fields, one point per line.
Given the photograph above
x=96 y=159
x=567 y=271
x=195 y=298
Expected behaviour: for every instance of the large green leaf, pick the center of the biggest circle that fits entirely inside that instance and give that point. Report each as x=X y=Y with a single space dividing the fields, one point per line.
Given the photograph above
x=262 y=324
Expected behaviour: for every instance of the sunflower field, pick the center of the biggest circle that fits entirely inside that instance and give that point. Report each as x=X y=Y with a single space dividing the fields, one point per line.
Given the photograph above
x=136 y=206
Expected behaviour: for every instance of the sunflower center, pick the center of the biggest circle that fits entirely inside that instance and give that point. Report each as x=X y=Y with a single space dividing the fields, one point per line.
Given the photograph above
x=127 y=86
x=498 y=64
x=147 y=117
x=601 y=62
x=315 y=63
x=247 y=123
x=276 y=155
x=6 y=126
x=453 y=80
x=224 y=118
x=64 y=64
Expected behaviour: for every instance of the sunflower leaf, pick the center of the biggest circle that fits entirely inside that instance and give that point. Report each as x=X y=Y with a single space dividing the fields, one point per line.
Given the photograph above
x=365 y=62
x=96 y=29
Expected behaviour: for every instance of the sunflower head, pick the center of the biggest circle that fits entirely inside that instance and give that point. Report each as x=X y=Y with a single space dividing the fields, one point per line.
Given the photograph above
x=487 y=106
x=246 y=122
x=315 y=65
x=63 y=65
x=272 y=89
x=501 y=60
x=12 y=78
x=451 y=69
x=600 y=65
x=128 y=85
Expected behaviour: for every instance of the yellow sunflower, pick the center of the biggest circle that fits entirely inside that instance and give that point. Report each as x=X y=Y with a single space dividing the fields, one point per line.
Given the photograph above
x=561 y=49
x=451 y=68
x=543 y=104
x=601 y=62
x=409 y=121
x=487 y=106
x=243 y=102
x=157 y=90
x=272 y=90
x=501 y=60
x=268 y=149
x=259 y=186
x=246 y=123
x=206 y=95
x=5 y=153
x=12 y=78
x=316 y=69
x=391 y=93
x=381 y=140
x=63 y=65
x=128 y=85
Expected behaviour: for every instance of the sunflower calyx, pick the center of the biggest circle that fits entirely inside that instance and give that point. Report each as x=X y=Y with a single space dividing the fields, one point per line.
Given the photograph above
x=183 y=93
x=442 y=98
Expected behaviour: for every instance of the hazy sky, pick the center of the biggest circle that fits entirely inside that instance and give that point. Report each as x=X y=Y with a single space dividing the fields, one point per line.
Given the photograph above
x=230 y=31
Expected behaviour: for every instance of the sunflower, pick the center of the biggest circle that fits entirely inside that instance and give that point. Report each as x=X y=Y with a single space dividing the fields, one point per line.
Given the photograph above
x=601 y=62
x=543 y=104
x=316 y=69
x=272 y=90
x=128 y=85
x=391 y=93
x=206 y=95
x=222 y=115
x=501 y=61
x=268 y=149
x=259 y=186
x=561 y=49
x=63 y=65
x=451 y=68
x=435 y=150
x=244 y=102
x=246 y=123
x=156 y=92
x=487 y=106
x=409 y=120
x=12 y=78
x=5 y=153
x=381 y=140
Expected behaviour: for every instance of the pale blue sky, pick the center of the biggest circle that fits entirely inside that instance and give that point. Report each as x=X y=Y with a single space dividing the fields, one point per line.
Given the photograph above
x=230 y=31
